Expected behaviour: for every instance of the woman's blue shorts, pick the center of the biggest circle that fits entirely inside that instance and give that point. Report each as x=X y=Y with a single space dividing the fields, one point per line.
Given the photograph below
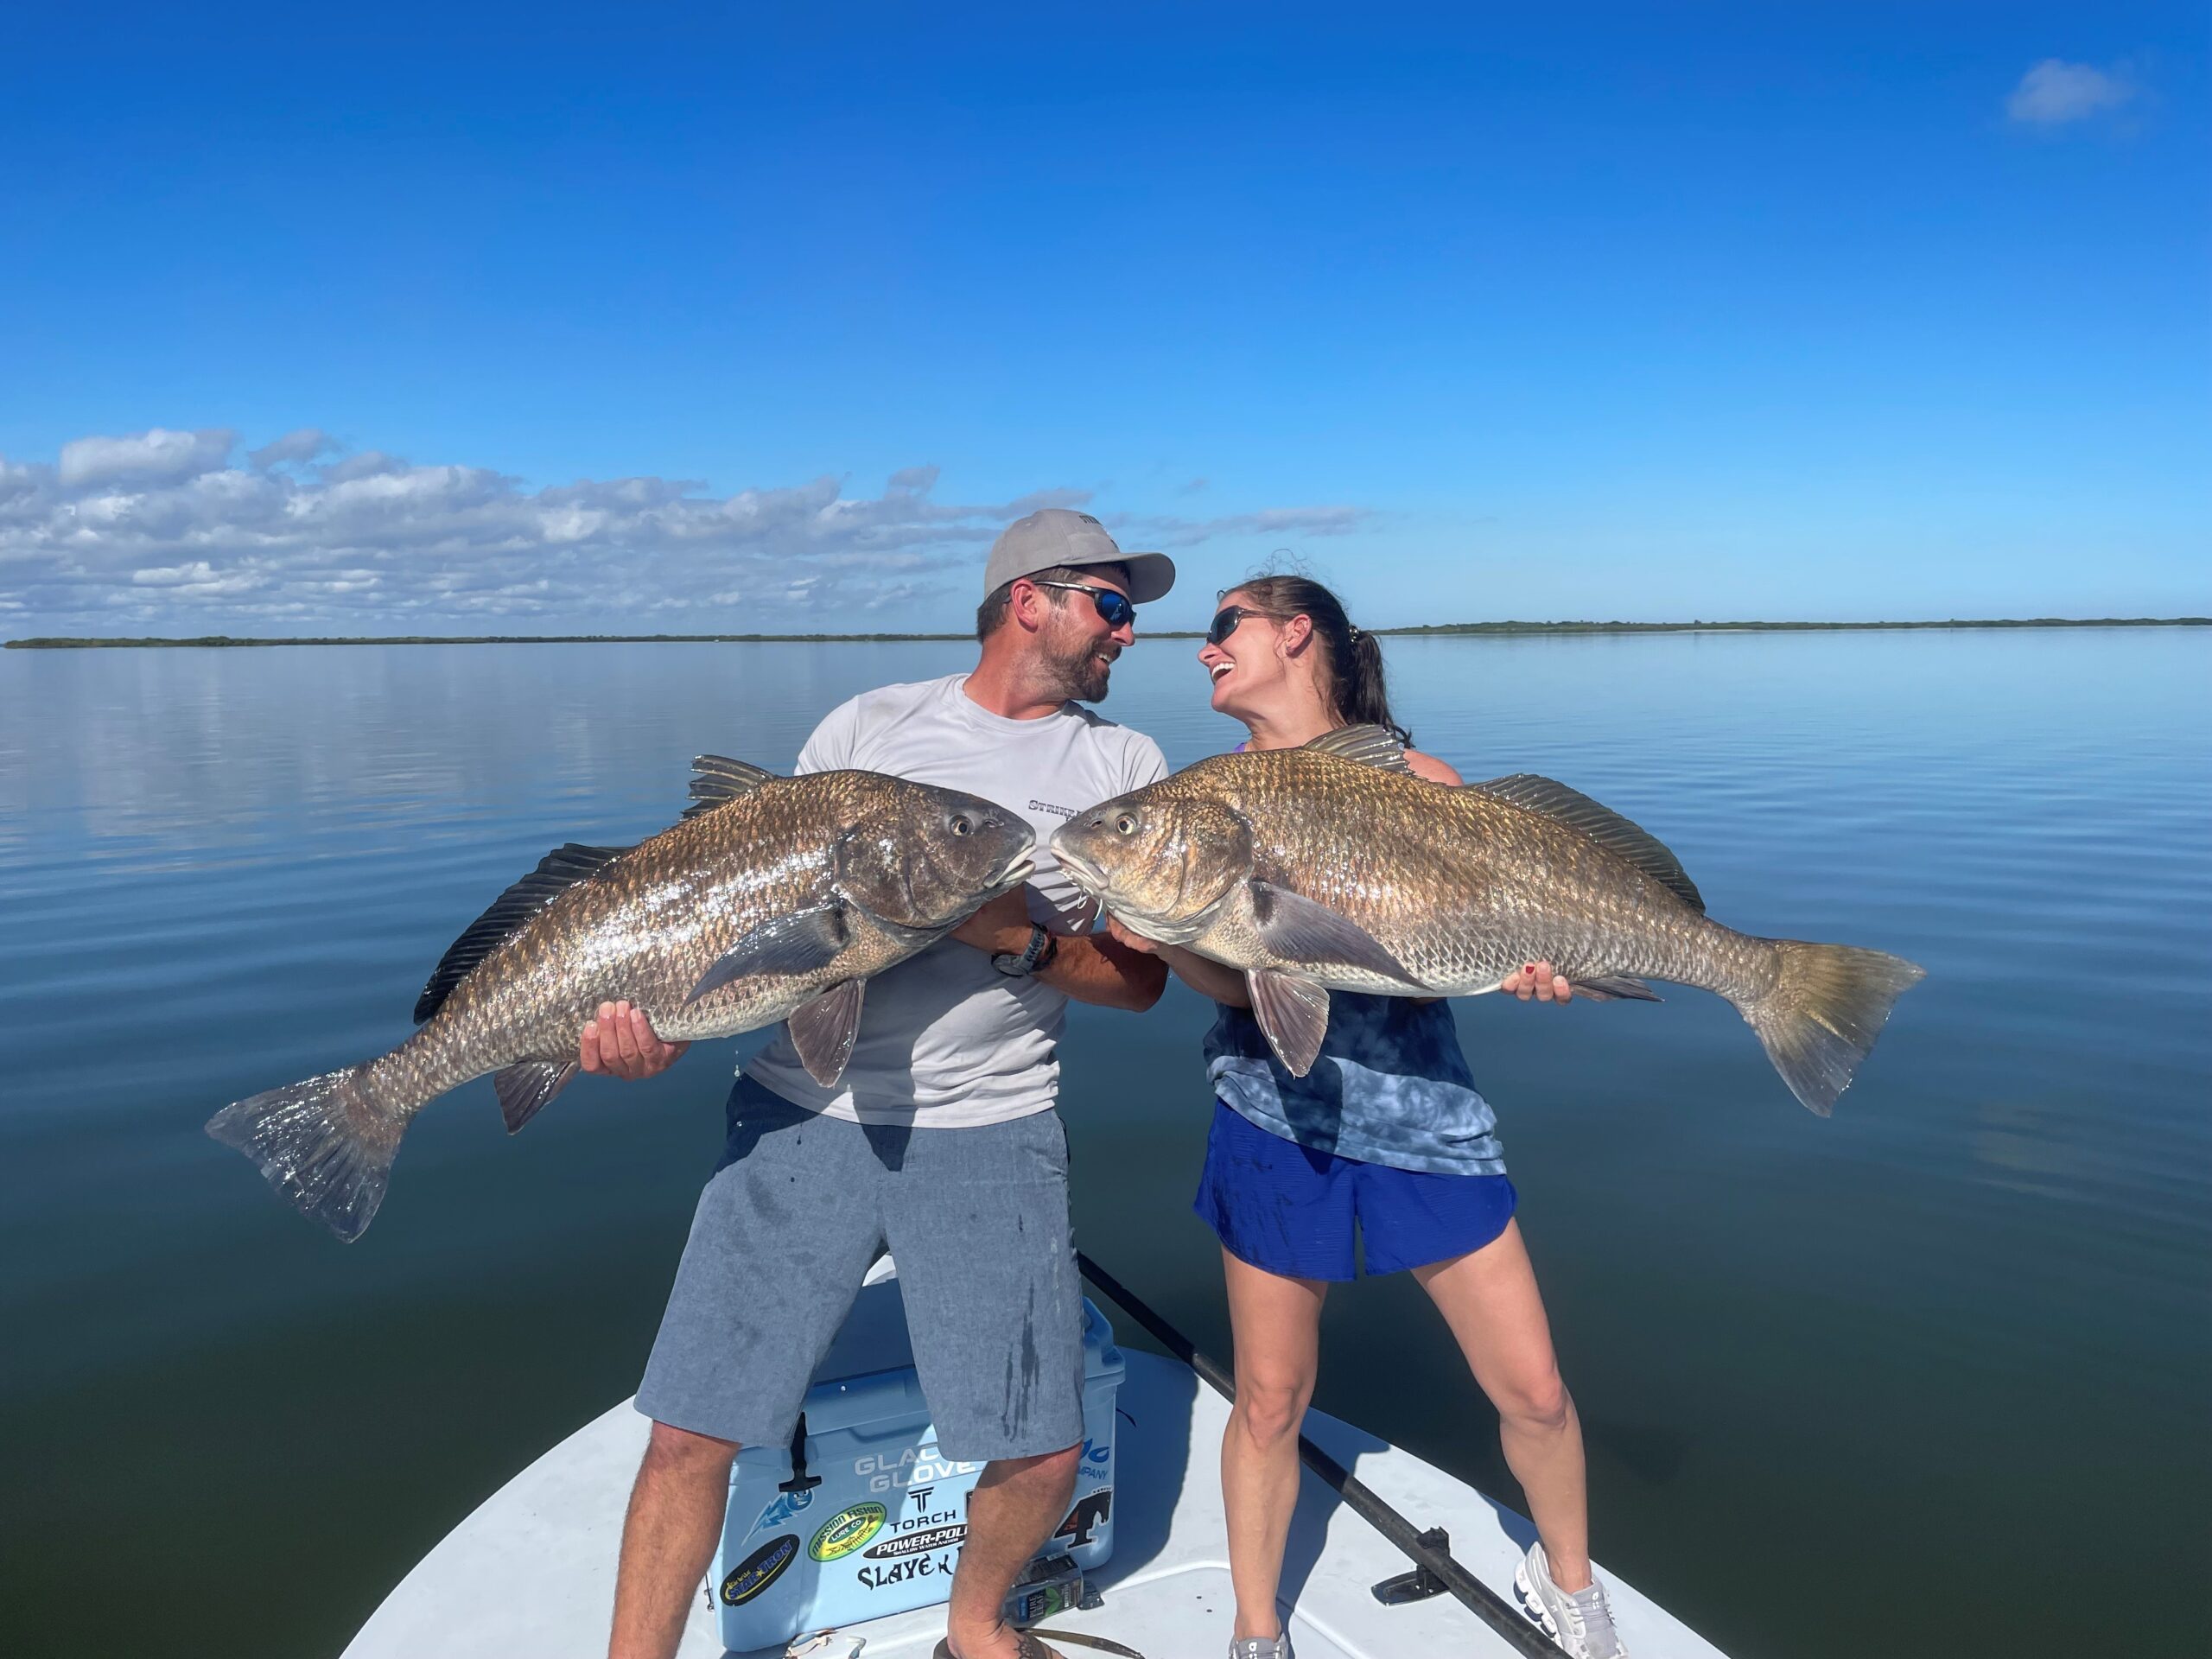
x=1290 y=1208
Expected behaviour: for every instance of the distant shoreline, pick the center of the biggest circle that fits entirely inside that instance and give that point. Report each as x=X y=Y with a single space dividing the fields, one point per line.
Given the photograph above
x=218 y=641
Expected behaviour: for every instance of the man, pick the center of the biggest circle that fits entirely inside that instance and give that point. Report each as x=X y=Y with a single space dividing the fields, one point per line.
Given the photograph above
x=940 y=1142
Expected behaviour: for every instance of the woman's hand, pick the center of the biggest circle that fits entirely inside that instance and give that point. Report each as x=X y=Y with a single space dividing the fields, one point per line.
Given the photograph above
x=1129 y=941
x=1537 y=980
x=621 y=1043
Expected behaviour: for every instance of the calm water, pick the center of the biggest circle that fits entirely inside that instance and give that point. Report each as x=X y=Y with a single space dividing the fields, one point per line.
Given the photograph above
x=1930 y=1377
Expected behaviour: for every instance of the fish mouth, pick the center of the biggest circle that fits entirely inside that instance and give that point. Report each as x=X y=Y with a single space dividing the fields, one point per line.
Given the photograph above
x=1017 y=869
x=1080 y=871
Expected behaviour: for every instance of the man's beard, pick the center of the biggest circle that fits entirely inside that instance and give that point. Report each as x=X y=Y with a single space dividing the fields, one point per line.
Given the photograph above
x=1080 y=676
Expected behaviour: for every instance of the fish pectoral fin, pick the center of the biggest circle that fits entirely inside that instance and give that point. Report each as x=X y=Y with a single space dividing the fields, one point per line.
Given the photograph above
x=1297 y=929
x=524 y=1087
x=823 y=1030
x=1615 y=987
x=804 y=944
x=1293 y=1011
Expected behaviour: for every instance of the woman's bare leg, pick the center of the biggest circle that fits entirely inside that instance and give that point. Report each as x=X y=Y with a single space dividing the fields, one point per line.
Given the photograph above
x=1277 y=1322
x=1489 y=1298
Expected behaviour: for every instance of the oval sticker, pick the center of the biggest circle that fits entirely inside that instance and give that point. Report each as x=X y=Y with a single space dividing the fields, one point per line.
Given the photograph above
x=758 y=1570
x=846 y=1531
x=918 y=1543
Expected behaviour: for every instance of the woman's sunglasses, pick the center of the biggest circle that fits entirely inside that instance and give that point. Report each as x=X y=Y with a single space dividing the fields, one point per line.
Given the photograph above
x=1225 y=620
x=1114 y=609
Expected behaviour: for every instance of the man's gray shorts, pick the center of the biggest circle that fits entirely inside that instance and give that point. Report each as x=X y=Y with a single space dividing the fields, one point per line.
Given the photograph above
x=977 y=1221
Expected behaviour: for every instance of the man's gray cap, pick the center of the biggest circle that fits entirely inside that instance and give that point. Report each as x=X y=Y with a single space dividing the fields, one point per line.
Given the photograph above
x=1054 y=536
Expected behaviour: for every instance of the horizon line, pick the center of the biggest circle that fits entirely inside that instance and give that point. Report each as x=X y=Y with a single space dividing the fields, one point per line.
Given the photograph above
x=219 y=641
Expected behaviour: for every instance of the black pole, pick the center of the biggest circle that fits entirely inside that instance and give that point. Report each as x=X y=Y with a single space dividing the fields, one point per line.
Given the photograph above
x=1517 y=1632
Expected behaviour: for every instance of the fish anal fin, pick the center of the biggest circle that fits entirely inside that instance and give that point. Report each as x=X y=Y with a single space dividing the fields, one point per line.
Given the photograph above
x=1370 y=745
x=1615 y=987
x=557 y=871
x=1294 y=1012
x=524 y=1087
x=1297 y=929
x=716 y=778
x=1602 y=825
x=802 y=944
x=823 y=1030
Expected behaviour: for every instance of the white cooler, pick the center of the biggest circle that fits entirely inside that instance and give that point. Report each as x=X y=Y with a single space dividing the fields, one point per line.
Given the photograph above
x=873 y=1522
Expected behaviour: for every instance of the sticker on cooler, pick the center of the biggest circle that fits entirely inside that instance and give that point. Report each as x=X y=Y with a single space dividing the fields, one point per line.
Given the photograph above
x=786 y=1508
x=1090 y=1513
x=846 y=1531
x=753 y=1576
x=885 y=1474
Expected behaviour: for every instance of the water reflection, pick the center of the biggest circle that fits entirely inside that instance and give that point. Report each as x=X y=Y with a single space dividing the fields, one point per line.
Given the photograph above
x=1980 y=1291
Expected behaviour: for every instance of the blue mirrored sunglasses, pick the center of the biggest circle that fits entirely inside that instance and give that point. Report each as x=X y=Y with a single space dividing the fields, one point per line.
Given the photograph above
x=1114 y=609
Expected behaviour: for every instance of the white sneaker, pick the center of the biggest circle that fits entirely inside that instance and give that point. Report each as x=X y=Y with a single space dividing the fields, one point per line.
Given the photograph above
x=1581 y=1622
x=1258 y=1647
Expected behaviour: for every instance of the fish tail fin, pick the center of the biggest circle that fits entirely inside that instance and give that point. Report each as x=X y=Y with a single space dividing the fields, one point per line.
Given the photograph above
x=1819 y=1017
x=324 y=1144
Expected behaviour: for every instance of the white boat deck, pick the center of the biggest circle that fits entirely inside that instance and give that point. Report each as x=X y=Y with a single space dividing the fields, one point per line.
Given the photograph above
x=532 y=1570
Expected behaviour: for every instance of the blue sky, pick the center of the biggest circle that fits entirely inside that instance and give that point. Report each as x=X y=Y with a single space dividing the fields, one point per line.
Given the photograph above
x=679 y=318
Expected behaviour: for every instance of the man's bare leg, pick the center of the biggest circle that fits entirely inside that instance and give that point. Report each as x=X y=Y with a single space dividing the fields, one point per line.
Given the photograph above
x=1016 y=1504
x=668 y=1537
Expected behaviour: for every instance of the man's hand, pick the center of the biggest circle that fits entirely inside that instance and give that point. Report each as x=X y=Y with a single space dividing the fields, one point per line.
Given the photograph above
x=1537 y=980
x=622 y=1044
x=999 y=928
x=1129 y=941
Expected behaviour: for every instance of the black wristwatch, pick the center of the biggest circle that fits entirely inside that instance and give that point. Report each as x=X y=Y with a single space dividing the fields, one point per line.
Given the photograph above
x=1043 y=947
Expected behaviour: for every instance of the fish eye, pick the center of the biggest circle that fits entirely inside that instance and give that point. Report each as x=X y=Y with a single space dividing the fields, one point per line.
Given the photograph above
x=960 y=824
x=1127 y=824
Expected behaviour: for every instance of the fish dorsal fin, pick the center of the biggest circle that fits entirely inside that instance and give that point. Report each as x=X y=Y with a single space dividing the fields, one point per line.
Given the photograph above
x=557 y=871
x=1602 y=825
x=716 y=778
x=1371 y=746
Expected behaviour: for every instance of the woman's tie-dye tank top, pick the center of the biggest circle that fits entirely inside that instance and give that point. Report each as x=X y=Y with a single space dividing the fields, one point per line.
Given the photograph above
x=1389 y=1086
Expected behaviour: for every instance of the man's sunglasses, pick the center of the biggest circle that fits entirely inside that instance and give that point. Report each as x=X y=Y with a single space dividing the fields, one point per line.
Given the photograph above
x=1225 y=620
x=1114 y=609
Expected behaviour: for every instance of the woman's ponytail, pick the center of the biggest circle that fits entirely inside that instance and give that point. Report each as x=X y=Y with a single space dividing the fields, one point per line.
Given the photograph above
x=1363 y=696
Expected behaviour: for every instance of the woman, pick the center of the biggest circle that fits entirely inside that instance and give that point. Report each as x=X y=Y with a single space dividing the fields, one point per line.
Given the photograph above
x=1385 y=1127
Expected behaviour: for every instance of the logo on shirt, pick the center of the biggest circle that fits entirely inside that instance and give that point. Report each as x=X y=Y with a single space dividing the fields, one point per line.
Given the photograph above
x=1057 y=811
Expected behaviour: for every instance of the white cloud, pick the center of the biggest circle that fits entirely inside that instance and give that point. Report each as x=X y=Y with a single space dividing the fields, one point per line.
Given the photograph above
x=200 y=579
x=308 y=443
x=158 y=533
x=2056 y=93
x=1269 y=521
x=158 y=454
